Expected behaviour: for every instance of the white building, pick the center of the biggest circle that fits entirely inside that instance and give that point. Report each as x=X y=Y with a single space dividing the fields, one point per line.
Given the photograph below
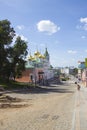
x=41 y=64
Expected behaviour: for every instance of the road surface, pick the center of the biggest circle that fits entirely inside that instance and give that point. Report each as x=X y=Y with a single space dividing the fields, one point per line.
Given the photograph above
x=49 y=108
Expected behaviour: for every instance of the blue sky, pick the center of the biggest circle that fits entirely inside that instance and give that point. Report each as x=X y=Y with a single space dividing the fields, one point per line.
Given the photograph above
x=59 y=25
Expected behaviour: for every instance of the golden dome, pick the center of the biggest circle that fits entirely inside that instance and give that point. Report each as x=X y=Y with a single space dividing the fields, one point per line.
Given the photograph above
x=41 y=56
x=37 y=53
x=31 y=57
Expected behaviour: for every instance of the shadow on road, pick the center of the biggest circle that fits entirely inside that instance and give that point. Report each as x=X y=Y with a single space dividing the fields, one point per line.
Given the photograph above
x=62 y=88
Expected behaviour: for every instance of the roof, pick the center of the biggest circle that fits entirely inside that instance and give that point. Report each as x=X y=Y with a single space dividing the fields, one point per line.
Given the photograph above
x=81 y=66
x=28 y=66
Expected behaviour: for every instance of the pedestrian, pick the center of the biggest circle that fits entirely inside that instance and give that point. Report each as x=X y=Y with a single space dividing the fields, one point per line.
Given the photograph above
x=78 y=87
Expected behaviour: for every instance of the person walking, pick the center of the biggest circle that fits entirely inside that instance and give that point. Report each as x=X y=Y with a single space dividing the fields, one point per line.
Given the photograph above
x=78 y=87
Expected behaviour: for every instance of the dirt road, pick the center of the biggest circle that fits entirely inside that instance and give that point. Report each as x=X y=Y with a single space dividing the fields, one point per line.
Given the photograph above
x=49 y=108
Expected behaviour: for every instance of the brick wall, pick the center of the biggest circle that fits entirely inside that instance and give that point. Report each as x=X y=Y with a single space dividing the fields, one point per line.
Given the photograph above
x=25 y=76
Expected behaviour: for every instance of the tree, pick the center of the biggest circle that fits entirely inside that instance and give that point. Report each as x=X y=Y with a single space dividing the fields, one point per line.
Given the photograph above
x=6 y=36
x=12 y=58
x=75 y=71
x=18 y=55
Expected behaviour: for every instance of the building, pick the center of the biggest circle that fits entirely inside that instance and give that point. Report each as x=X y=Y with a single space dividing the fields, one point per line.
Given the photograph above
x=38 y=68
x=67 y=70
x=81 y=67
x=82 y=73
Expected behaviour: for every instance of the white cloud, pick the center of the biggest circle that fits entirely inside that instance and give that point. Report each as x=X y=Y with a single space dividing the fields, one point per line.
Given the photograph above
x=47 y=26
x=78 y=27
x=72 y=52
x=20 y=27
x=83 y=37
x=86 y=51
x=84 y=22
x=23 y=38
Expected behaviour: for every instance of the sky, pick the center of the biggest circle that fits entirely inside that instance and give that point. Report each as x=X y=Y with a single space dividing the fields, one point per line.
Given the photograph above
x=59 y=25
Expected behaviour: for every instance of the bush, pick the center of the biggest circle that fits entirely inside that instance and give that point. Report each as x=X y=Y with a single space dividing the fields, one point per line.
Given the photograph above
x=63 y=79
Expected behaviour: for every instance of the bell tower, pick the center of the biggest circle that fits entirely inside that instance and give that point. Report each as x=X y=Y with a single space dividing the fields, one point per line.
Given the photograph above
x=46 y=54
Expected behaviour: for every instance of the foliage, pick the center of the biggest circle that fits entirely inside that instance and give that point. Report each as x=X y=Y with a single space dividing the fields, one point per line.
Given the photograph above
x=65 y=78
x=75 y=71
x=12 y=58
x=12 y=84
x=51 y=66
x=18 y=55
x=6 y=35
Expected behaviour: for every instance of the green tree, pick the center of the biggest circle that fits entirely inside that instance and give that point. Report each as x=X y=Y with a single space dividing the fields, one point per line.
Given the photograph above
x=75 y=71
x=12 y=58
x=6 y=36
x=18 y=55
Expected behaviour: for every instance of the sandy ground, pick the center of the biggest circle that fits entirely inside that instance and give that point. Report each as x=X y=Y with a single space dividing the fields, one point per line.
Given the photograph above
x=48 y=108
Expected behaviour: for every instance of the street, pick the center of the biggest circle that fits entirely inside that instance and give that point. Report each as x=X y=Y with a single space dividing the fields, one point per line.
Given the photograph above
x=50 y=108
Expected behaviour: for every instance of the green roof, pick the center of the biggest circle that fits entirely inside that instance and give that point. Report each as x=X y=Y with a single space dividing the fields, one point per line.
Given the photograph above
x=29 y=67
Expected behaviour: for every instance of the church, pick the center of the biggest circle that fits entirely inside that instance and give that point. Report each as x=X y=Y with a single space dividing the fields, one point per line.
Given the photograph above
x=37 y=68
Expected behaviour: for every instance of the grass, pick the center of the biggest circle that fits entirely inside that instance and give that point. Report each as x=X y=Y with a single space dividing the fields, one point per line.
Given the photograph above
x=14 y=85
